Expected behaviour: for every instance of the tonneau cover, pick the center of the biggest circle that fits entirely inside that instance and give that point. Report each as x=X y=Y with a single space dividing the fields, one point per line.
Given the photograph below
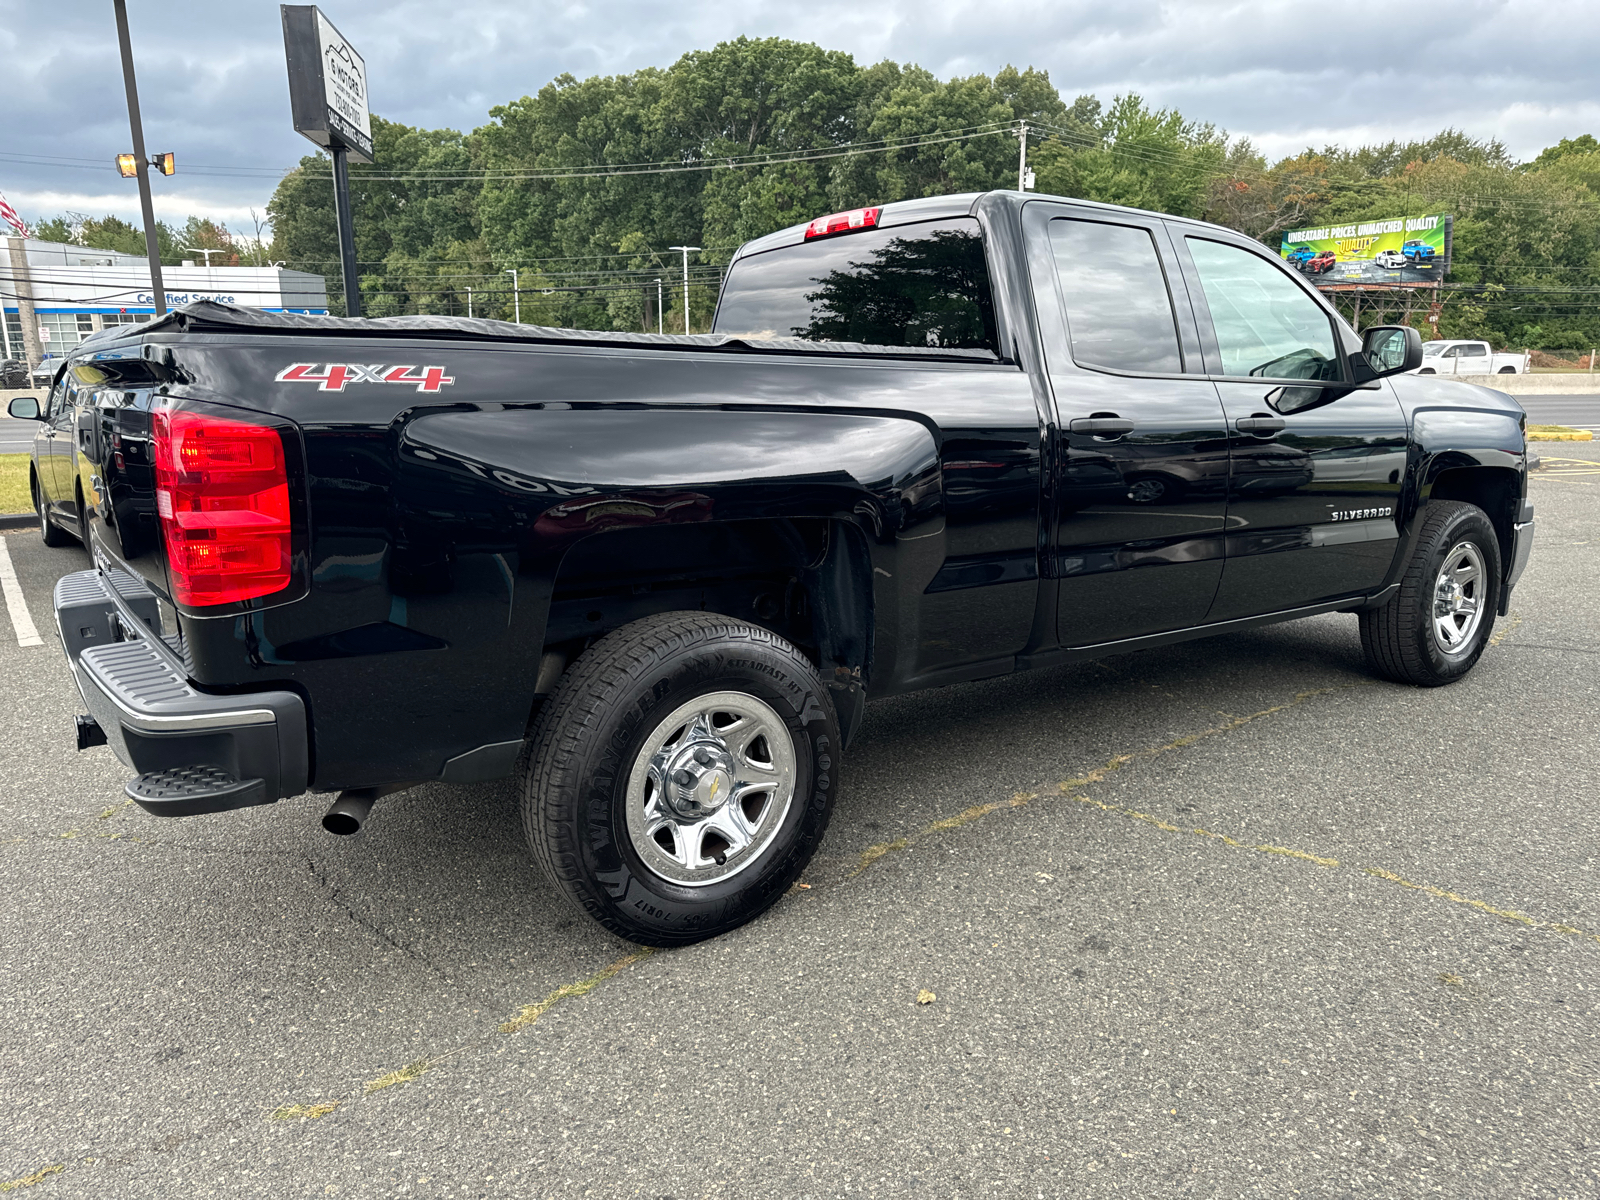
x=208 y=316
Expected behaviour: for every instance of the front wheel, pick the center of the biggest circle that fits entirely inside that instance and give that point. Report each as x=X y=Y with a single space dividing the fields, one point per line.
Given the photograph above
x=681 y=776
x=1435 y=628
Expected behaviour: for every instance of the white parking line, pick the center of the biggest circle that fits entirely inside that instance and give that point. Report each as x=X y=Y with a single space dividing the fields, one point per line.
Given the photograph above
x=27 y=635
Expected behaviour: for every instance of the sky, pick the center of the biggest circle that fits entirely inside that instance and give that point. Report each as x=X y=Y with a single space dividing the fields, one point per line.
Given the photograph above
x=213 y=89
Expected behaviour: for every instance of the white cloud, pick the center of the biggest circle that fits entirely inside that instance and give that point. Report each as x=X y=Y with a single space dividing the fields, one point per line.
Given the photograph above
x=1286 y=74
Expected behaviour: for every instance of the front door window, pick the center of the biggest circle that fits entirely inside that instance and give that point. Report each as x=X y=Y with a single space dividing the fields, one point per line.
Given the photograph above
x=1266 y=326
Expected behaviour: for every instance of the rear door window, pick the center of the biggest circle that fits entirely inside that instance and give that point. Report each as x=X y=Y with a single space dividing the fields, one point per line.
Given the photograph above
x=921 y=285
x=1119 y=309
x=1265 y=325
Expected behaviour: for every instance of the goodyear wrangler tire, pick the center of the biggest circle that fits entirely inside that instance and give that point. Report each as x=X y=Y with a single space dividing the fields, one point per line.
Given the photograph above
x=681 y=776
x=1434 y=629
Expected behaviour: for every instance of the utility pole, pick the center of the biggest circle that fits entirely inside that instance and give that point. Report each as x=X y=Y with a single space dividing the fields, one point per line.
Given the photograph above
x=32 y=347
x=1022 y=156
x=469 y=302
x=152 y=244
x=661 y=313
x=686 y=250
x=516 y=293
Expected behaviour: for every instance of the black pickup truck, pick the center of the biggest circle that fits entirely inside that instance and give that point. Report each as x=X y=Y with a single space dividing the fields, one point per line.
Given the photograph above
x=655 y=578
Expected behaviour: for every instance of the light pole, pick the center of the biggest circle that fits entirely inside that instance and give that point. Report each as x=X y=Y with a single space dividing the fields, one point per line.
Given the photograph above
x=151 y=244
x=516 y=293
x=1022 y=156
x=686 y=250
x=207 y=253
x=661 y=316
x=469 y=302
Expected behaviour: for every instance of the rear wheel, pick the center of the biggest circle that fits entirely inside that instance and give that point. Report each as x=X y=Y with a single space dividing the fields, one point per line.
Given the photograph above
x=681 y=776
x=50 y=533
x=1435 y=628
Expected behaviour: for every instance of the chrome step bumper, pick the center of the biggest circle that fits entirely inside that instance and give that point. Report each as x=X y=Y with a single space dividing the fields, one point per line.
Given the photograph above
x=159 y=724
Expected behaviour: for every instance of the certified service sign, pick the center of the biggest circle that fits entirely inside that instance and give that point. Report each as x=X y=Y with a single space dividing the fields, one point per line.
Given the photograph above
x=327 y=82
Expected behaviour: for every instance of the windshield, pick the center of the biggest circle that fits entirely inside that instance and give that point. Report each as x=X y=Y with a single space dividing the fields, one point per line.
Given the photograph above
x=1432 y=349
x=909 y=285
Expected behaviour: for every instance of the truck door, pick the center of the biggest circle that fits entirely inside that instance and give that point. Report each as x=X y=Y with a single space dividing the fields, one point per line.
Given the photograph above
x=1140 y=456
x=1474 y=358
x=56 y=453
x=1316 y=465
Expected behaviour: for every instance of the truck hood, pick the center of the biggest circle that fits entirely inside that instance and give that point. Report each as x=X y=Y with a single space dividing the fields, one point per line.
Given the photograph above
x=1441 y=391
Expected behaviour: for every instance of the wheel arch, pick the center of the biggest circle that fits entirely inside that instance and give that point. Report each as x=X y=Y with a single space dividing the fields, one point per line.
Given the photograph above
x=1496 y=490
x=807 y=579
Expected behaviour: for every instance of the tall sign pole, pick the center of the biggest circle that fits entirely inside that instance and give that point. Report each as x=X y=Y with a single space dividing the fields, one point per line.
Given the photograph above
x=152 y=244
x=328 y=98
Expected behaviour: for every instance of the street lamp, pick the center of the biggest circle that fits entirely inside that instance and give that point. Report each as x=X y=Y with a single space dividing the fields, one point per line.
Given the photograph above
x=200 y=250
x=516 y=293
x=685 y=250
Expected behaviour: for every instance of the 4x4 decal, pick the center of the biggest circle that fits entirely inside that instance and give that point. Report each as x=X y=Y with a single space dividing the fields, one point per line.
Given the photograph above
x=332 y=377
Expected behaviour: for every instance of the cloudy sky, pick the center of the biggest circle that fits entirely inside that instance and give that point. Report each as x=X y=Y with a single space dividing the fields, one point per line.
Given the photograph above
x=212 y=80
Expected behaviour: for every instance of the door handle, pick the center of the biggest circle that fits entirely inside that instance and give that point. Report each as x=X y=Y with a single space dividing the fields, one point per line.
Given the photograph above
x=1102 y=426
x=1260 y=424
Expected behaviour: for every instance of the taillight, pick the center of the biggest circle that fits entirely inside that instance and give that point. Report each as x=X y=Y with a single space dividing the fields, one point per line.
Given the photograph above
x=222 y=493
x=856 y=218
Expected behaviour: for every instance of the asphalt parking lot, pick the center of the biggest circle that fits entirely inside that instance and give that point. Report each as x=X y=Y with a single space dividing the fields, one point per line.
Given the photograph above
x=1217 y=920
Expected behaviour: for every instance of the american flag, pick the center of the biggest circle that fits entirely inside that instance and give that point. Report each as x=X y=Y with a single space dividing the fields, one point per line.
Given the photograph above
x=9 y=215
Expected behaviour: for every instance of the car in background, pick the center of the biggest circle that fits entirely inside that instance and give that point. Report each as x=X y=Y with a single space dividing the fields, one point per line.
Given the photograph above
x=1469 y=357
x=1322 y=263
x=1389 y=260
x=1418 y=254
x=14 y=374
x=1298 y=256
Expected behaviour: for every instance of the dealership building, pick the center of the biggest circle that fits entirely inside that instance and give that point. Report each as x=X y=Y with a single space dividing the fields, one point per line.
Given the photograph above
x=78 y=290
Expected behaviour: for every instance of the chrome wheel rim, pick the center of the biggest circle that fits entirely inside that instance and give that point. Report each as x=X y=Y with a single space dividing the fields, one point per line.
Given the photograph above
x=710 y=788
x=1458 y=595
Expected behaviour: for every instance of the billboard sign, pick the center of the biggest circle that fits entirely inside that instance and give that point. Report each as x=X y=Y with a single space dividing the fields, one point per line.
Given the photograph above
x=327 y=82
x=1394 y=252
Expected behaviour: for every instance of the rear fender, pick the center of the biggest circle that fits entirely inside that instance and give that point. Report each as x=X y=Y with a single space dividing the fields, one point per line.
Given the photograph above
x=539 y=479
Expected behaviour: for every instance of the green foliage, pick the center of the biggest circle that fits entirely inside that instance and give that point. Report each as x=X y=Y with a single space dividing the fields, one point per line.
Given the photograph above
x=1134 y=155
x=581 y=188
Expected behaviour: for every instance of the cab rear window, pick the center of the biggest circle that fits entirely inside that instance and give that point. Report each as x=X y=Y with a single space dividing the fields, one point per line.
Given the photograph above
x=921 y=285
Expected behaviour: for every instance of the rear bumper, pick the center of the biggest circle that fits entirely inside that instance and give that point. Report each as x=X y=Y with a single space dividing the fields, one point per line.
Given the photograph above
x=206 y=753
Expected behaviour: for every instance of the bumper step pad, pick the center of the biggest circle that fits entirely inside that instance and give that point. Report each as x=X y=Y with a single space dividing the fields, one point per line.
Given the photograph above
x=185 y=791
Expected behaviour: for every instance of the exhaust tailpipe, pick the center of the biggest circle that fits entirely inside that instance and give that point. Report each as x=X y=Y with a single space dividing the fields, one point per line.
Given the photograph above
x=348 y=813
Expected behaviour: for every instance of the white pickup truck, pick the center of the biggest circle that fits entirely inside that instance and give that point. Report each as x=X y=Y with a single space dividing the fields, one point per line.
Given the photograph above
x=1465 y=357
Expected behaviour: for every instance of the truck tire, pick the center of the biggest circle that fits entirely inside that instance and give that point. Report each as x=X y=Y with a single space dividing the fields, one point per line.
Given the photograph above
x=681 y=776
x=50 y=533
x=1434 y=629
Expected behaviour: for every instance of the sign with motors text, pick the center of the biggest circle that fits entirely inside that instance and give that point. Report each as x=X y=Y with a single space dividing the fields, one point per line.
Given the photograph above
x=1392 y=252
x=327 y=82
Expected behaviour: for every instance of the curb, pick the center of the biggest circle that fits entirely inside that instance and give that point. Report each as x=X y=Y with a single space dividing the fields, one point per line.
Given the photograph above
x=1581 y=436
x=18 y=520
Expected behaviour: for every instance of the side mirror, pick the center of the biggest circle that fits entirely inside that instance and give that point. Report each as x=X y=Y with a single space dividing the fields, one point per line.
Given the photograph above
x=1391 y=349
x=24 y=408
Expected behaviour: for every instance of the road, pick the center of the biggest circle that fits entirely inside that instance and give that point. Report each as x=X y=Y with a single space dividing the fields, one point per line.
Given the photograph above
x=1216 y=920
x=1577 y=411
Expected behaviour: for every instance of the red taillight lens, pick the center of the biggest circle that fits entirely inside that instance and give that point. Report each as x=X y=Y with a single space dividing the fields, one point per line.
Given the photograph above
x=222 y=492
x=856 y=218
